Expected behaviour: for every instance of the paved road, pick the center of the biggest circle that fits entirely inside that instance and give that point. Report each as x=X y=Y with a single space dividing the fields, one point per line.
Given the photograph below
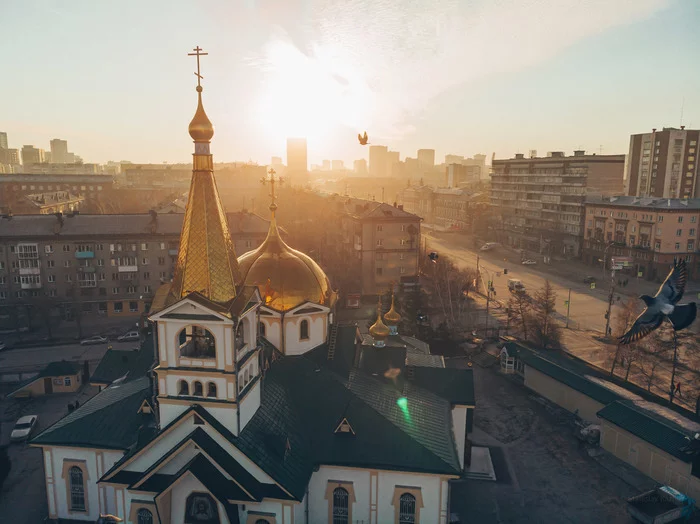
x=588 y=306
x=34 y=359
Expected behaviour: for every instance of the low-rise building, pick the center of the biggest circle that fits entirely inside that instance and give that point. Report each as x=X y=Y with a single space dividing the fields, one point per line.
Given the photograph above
x=48 y=203
x=57 y=377
x=652 y=232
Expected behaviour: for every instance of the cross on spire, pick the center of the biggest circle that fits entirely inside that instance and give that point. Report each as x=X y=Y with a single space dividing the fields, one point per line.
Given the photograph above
x=198 y=52
x=272 y=180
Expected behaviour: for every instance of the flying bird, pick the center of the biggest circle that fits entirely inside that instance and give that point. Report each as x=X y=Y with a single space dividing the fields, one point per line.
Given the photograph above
x=663 y=305
x=363 y=139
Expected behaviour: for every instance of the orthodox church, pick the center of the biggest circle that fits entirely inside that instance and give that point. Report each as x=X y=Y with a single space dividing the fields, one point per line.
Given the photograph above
x=260 y=408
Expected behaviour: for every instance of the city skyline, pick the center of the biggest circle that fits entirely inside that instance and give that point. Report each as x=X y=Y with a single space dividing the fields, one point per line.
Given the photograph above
x=326 y=72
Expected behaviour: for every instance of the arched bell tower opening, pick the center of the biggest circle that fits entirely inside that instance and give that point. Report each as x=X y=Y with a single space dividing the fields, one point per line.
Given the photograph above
x=196 y=342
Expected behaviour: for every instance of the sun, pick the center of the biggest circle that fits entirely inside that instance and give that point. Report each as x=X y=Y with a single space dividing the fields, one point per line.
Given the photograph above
x=304 y=96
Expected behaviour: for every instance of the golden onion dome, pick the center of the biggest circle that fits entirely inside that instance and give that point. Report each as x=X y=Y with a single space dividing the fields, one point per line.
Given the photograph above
x=285 y=277
x=201 y=129
x=379 y=330
x=392 y=316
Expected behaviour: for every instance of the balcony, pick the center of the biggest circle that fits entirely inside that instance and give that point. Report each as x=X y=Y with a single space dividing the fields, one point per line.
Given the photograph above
x=31 y=285
x=172 y=252
x=30 y=270
x=80 y=255
x=86 y=269
x=87 y=283
x=128 y=269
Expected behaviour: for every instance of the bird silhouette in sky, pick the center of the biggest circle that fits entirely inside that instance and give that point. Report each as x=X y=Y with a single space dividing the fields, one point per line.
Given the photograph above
x=663 y=305
x=363 y=139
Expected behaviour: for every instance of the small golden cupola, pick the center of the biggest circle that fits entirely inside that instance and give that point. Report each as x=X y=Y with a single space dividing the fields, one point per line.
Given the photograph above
x=378 y=330
x=392 y=318
x=285 y=277
x=206 y=261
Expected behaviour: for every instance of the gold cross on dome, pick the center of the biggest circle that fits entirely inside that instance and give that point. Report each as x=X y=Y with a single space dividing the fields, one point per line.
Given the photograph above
x=198 y=52
x=272 y=180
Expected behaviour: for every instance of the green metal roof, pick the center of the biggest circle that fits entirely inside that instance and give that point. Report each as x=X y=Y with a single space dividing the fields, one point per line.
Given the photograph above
x=118 y=362
x=658 y=431
x=61 y=368
x=452 y=384
x=109 y=420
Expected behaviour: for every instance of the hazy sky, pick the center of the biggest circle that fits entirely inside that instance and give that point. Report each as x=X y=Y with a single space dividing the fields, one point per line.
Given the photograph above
x=459 y=76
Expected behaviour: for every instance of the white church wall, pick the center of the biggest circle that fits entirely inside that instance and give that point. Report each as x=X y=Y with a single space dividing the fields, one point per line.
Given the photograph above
x=317 y=331
x=87 y=461
x=169 y=412
x=172 y=383
x=266 y=506
x=459 y=425
x=169 y=337
x=226 y=415
x=180 y=459
x=429 y=486
x=318 y=505
x=145 y=459
x=250 y=404
x=300 y=512
x=273 y=329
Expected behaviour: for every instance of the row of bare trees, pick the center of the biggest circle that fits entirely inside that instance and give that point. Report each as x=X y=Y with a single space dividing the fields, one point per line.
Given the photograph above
x=533 y=317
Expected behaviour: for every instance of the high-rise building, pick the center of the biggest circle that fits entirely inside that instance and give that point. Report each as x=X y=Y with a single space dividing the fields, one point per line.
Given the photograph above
x=275 y=161
x=59 y=151
x=337 y=165
x=453 y=159
x=32 y=155
x=326 y=165
x=426 y=158
x=540 y=201
x=297 y=163
x=9 y=156
x=3 y=140
x=378 y=161
x=663 y=164
x=360 y=166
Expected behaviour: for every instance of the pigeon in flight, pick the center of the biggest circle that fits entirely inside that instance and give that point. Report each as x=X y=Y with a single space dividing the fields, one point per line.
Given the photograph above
x=663 y=305
x=362 y=139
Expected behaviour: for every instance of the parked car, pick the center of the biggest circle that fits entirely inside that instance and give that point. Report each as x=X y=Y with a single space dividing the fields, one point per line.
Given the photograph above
x=131 y=336
x=23 y=428
x=488 y=246
x=529 y=262
x=97 y=339
x=589 y=280
x=515 y=285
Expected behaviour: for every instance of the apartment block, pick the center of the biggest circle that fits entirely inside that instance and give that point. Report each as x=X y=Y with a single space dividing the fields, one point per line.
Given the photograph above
x=663 y=164
x=540 y=201
x=384 y=239
x=652 y=232
x=105 y=265
x=444 y=208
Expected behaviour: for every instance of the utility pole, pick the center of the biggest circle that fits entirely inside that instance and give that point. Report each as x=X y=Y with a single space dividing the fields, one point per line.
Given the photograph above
x=568 y=308
x=610 y=301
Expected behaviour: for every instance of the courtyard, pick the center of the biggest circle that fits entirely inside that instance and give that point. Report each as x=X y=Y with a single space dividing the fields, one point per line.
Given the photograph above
x=544 y=474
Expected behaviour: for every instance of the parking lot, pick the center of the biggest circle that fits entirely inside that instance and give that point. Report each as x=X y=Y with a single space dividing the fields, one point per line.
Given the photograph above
x=23 y=496
x=544 y=475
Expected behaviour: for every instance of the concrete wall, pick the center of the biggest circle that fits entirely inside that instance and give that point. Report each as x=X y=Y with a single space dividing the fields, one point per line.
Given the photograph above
x=562 y=395
x=649 y=459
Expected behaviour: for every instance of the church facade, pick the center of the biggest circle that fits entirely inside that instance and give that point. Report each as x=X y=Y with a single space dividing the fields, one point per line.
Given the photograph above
x=259 y=407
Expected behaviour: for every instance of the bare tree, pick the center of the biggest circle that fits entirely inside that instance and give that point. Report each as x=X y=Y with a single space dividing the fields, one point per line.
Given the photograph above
x=625 y=315
x=658 y=347
x=545 y=331
x=519 y=314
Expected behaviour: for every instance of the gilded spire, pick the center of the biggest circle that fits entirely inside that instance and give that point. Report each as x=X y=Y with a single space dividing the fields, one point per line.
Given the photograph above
x=206 y=261
x=392 y=318
x=378 y=330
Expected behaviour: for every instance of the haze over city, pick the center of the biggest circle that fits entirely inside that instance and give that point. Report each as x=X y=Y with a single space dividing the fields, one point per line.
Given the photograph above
x=459 y=77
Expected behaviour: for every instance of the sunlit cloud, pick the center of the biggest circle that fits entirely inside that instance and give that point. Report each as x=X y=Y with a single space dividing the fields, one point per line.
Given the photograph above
x=377 y=64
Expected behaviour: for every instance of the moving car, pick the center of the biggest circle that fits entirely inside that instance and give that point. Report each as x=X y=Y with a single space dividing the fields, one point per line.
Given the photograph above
x=515 y=285
x=488 y=246
x=589 y=280
x=97 y=339
x=131 y=336
x=23 y=428
x=529 y=262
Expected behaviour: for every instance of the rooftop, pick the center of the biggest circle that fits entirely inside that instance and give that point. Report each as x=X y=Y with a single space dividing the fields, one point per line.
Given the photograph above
x=642 y=202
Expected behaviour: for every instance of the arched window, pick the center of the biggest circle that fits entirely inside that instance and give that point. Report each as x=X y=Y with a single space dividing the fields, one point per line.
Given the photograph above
x=240 y=334
x=211 y=390
x=196 y=342
x=261 y=328
x=144 y=516
x=304 y=330
x=341 y=512
x=184 y=388
x=77 y=489
x=198 y=390
x=407 y=509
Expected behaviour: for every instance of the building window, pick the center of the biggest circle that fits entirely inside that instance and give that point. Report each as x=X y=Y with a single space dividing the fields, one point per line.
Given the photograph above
x=67 y=381
x=380 y=228
x=52 y=278
x=691 y=245
x=341 y=510
x=693 y=219
x=133 y=307
x=380 y=242
x=248 y=244
x=691 y=232
x=304 y=330
x=184 y=388
x=680 y=219
x=144 y=246
x=402 y=270
x=161 y=261
x=211 y=390
x=118 y=307
x=678 y=246
x=661 y=218
x=679 y=232
x=407 y=509
x=77 y=489
x=261 y=329
x=196 y=342
x=198 y=390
